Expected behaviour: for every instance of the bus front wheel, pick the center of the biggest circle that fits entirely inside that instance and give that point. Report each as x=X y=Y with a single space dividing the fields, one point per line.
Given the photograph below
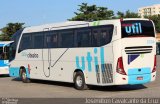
x=79 y=81
x=24 y=76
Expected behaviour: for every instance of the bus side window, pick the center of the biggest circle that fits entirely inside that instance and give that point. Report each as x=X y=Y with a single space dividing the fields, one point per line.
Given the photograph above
x=95 y=38
x=1 y=53
x=51 y=40
x=101 y=35
x=6 y=52
x=66 y=39
x=84 y=38
x=37 y=40
x=106 y=35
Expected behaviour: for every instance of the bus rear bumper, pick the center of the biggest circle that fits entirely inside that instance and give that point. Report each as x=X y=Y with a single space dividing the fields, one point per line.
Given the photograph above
x=4 y=70
x=134 y=79
x=139 y=79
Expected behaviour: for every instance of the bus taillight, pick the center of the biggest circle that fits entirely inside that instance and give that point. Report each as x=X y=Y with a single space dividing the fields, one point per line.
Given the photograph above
x=120 y=68
x=155 y=64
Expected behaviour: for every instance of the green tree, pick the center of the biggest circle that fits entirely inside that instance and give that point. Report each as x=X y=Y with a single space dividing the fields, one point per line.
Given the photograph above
x=158 y=26
x=120 y=14
x=156 y=20
x=127 y=14
x=9 y=30
x=130 y=14
x=92 y=12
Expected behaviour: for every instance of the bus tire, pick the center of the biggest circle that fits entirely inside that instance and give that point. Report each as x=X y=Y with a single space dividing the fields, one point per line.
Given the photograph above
x=79 y=81
x=24 y=76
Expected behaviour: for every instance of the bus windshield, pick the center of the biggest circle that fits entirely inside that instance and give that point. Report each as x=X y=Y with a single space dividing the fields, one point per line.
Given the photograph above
x=13 y=46
x=137 y=28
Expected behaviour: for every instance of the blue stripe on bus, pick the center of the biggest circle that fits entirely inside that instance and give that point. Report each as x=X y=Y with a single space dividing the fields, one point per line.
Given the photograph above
x=1 y=45
x=3 y=63
x=14 y=72
x=135 y=74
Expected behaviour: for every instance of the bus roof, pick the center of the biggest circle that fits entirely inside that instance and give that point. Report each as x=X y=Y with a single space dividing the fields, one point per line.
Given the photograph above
x=4 y=43
x=73 y=24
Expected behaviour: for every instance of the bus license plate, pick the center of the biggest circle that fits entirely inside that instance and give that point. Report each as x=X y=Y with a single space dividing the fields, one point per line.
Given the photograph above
x=139 y=78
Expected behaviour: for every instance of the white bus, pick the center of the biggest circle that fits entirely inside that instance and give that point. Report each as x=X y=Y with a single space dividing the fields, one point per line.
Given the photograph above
x=4 y=57
x=106 y=52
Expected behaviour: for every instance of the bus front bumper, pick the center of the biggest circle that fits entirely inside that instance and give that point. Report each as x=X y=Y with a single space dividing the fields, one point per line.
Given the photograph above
x=4 y=70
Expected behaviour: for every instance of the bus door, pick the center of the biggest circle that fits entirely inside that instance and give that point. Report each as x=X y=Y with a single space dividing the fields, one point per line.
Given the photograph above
x=46 y=54
x=50 y=53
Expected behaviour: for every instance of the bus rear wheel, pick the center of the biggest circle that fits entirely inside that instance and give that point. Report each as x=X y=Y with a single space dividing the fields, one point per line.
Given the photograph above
x=24 y=76
x=79 y=81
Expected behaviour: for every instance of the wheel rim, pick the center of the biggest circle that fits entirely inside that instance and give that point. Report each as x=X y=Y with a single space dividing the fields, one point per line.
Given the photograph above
x=79 y=81
x=23 y=75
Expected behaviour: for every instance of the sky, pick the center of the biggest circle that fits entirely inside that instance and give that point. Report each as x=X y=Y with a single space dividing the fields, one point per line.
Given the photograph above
x=37 y=12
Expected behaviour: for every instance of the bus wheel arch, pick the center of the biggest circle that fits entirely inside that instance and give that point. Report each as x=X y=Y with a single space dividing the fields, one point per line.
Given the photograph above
x=23 y=75
x=20 y=70
x=79 y=80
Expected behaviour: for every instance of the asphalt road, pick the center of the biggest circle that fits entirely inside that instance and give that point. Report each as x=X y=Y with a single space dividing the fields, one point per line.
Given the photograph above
x=13 y=88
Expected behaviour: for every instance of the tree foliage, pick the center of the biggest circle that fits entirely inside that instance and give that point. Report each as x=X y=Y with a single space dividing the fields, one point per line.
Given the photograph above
x=89 y=13
x=9 y=30
x=156 y=20
x=93 y=13
x=127 y=14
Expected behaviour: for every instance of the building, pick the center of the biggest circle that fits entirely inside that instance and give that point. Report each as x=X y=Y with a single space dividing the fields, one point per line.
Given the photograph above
x=149 y=10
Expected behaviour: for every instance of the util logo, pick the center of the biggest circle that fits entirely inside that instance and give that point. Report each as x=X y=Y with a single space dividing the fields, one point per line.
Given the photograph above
x=88 y=59
x=135 y=28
